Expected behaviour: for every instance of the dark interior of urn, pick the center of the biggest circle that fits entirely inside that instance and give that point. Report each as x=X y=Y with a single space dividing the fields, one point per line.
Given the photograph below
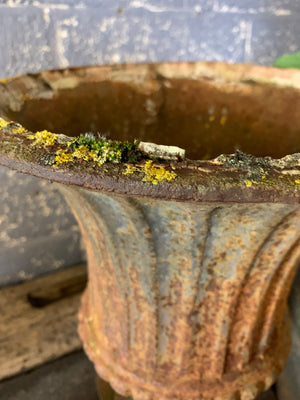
x=202 y=116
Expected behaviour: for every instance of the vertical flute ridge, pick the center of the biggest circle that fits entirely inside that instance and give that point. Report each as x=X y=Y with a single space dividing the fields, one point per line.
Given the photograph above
x=186 y=300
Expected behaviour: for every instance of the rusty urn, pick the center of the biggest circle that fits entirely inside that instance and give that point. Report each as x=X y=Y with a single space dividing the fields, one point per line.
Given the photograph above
x=189 y=207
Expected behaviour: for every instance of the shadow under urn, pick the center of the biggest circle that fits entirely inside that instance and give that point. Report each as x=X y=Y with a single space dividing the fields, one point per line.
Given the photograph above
x=190 y=258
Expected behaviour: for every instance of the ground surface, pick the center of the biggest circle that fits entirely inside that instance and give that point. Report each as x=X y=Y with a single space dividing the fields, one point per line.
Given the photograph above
x=69 y=378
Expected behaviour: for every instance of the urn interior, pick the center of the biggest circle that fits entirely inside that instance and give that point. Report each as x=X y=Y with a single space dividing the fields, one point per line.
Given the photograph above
x=205 y=116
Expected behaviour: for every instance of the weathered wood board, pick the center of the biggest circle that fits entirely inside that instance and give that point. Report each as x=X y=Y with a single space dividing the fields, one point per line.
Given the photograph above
x=38 y=320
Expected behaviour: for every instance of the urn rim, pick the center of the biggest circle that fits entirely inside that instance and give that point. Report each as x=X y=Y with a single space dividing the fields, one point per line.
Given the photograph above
x=234 y=178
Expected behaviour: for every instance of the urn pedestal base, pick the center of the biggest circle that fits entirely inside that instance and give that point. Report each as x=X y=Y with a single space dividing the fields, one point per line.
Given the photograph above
x=186 y=300
x=245 y=385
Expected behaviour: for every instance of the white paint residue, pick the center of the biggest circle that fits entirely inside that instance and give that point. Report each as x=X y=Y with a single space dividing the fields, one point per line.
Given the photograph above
x=226 y=9
x=70 y=21
x=115 y=58
x=155 y=9
x=246 y=35
x=50 y=5
x=21 y=3
x=61 y=34
x=58 y=263
x=166 y=25
x=281 y=12
x=36 y=262
x=12 y=3
x=22 y=274
x=39 y=4
x=45 y=48
x=80 y=5
x=197 y=9
x=10 y=242
x=107 y=24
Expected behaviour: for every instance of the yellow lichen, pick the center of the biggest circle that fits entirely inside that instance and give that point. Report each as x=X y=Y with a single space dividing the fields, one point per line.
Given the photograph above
x=223 y=120
x=130 y=170
x=263 y=176
x=95 y=156
x=151 y=174
x=82 y=152
x=43 y=138
x=61 y=157
x=16 y=128
x=297 y=181
x=19 y=130
x=249 y=182
x=106 y=153
x=100 y=151
x=4 y=123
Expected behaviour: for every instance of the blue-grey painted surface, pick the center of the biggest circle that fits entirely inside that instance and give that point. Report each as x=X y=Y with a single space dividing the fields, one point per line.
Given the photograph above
x=37 y=231
x=56 y=33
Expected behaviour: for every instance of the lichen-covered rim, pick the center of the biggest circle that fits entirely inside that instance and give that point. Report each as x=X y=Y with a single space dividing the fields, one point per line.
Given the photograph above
x=236 y=177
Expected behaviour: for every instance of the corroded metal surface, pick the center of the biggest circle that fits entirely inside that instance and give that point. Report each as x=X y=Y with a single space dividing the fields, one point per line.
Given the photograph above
x=188 y=278
x=186 y=300
x=205 y=108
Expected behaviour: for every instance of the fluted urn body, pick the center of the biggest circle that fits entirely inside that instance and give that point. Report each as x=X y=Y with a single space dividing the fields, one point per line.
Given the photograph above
x=191 y=258
x=185 y=300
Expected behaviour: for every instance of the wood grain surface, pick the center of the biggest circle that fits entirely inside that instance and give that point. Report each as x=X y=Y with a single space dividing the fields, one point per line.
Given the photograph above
x=38 y=320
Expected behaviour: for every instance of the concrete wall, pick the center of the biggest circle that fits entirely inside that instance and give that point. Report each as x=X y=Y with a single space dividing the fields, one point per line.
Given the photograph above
x=37 y=231
x=37 y=34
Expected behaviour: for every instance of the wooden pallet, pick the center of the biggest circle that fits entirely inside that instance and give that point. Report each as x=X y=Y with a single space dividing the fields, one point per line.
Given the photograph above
x=38 y=320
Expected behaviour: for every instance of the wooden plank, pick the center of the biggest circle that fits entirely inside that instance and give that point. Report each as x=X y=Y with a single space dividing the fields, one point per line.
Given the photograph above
x=38 y=320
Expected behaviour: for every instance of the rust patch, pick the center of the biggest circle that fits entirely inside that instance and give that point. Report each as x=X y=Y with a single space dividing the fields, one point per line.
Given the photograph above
x=189 y=326
x=188 y=279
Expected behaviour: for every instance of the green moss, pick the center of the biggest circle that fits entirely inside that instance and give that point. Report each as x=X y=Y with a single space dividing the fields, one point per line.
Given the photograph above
x=91 y=149
x=111 y=151
x=100 y=150
x=288 y=61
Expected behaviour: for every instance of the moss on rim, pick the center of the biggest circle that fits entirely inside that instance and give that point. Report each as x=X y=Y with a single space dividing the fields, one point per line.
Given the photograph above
x=237 y=177
x=87 y=147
